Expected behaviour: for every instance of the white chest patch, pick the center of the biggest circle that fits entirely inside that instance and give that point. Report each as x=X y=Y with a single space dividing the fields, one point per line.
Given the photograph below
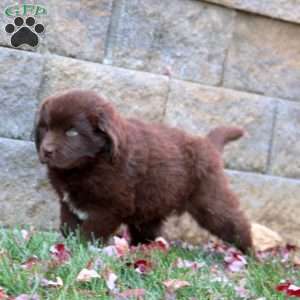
x=80 y=214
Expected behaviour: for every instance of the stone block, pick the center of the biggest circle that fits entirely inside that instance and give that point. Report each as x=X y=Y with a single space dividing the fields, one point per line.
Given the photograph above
x=187 y=38
x=20 y=78
x=271 y=201
x=134 y=93
x=286 y=145
x=72 y=28
x=282 y=9
x=26 y=197
x=198 y=109
x=264 y=57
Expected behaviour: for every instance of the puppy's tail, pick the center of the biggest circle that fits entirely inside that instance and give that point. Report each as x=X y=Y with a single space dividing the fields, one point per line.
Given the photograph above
x=220 y=136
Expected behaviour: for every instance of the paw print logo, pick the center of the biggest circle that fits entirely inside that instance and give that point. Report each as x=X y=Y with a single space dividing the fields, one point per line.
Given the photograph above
x=24 y=32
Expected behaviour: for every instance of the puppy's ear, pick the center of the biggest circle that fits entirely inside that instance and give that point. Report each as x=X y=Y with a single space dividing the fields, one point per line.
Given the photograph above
x=35 y=135
x=111 y=124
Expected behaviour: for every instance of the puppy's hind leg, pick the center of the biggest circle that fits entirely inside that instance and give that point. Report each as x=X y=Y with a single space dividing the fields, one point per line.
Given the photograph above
x=144 y=233
x=217 y=209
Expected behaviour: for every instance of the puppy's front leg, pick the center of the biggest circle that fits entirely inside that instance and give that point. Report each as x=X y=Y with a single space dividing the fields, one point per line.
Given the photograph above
x=68 y=221
x=99 y=225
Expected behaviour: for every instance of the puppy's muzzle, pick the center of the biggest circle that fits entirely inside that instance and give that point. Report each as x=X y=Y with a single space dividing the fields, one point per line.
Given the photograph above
x=47 y=153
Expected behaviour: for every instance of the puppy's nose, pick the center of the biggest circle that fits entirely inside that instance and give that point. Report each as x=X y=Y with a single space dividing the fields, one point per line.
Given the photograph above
x=48 y=151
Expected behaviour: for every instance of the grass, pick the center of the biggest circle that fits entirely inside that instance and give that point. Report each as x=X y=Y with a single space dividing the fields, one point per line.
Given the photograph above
x=211 y=281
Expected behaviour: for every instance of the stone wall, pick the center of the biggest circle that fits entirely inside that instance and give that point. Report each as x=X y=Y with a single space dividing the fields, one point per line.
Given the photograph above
x=191 y=64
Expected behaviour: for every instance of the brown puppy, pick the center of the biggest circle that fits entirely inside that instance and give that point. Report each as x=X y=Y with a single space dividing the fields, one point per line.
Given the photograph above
x=109 y=170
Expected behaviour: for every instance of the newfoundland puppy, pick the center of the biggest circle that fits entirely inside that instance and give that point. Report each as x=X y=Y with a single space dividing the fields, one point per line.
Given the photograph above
x=108 y=170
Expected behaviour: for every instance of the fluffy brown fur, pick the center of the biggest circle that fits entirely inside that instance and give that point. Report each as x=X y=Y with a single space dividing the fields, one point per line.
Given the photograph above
x=109 y=170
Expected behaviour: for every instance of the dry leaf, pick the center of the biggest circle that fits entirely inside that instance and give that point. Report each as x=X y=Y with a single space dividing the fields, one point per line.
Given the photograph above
x=296 y=260
x=60 y=253
x=51 y=283
x=265 y=238
x=86 y=275
x=234 y=260
x=27 y=297
x=25 y=234
x=173 y=285
x=289 y=289
x=241 y=290
x=162 y=243
x=110 y=251
x=110 y=279
x=130 y=294
x=30 y=263
x=122 y=246
x=142 y=266
x=187 y=264
x=3 y=295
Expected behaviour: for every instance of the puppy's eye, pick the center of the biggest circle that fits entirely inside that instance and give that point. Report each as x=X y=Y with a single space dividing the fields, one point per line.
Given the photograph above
x=72 y=132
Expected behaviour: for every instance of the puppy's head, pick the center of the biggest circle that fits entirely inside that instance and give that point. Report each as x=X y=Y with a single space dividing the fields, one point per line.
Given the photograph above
x=75 y=127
